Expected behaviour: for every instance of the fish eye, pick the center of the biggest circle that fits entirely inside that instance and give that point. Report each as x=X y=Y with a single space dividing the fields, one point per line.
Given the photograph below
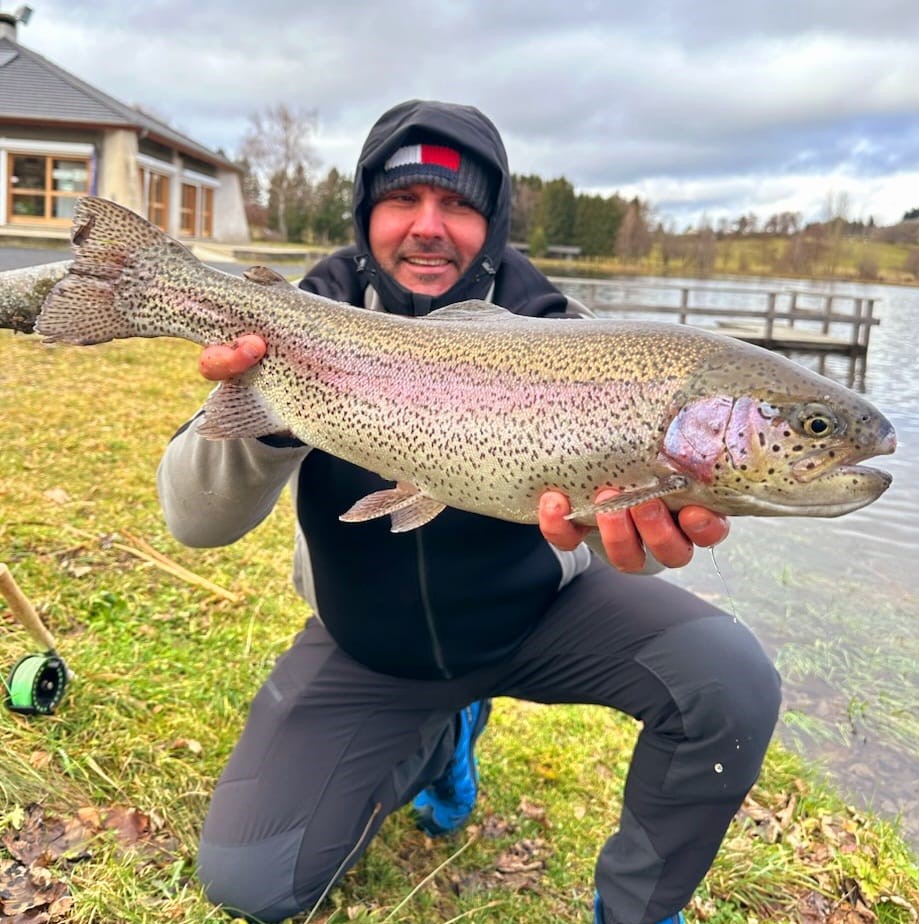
x=817 y=421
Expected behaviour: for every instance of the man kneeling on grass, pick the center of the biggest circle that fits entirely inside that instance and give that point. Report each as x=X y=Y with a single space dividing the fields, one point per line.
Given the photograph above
x=381 y=698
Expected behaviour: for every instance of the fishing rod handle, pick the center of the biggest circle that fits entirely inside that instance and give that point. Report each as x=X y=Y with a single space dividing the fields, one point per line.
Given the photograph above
x=22 y=610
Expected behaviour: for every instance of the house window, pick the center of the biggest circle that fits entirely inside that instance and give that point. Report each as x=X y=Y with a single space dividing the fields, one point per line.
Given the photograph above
x=188 y=213
x=196 y=215
x=45 y=188
x=207 y=212
x=158 y=201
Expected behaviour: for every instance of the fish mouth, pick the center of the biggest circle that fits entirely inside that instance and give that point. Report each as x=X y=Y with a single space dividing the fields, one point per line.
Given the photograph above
x=867 y=473
x=835 y=460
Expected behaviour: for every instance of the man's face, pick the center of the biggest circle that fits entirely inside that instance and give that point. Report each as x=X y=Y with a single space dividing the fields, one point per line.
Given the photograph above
x=425 y=237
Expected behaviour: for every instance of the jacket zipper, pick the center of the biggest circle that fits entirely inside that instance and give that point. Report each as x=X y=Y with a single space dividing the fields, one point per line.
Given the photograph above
x=436 y=649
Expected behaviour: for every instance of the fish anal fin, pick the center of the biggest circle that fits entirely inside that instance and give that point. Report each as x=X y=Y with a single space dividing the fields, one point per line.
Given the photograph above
x=236 y=410
x=671 y=484
x=416 y=514
x=407 y=506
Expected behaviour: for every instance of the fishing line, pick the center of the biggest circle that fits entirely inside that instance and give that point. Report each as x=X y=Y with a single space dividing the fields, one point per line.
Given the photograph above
x=724 y=584
x=344 y=863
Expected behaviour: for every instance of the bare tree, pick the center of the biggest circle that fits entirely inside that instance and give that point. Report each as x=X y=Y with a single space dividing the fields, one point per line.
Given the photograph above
x=278 y=147
x=633 y=242
x=706 y=249
x=911 y=263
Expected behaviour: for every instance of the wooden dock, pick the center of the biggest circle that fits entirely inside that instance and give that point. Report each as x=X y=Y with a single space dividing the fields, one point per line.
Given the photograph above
x=787 y=320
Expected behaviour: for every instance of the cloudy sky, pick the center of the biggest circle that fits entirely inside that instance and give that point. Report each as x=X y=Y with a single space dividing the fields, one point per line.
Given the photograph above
x=702 y=107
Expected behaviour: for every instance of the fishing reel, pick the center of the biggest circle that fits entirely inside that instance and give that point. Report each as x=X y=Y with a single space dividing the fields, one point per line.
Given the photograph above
x=37 y=681
x=36 y=684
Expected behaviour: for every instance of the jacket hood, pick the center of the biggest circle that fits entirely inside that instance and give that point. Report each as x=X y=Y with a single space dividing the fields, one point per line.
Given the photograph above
x=466 y=128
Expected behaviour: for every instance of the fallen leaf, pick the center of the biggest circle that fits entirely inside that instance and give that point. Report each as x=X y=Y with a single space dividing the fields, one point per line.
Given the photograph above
x=46 y=840
x=39 y=760
x=186 y=744
x=27 y=894
x=494 y=827
x=128 y=824
x=532 y=810
x=57 y=495
x=524 y=855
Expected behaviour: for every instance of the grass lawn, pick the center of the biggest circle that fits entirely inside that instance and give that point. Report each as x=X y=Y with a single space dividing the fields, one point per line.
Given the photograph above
x=100 y=804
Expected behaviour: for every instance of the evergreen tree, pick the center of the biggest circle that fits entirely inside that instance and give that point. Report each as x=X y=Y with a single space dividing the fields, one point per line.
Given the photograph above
x=331 y=223
x=538 y=242
x=557 y=211
x=596 y=223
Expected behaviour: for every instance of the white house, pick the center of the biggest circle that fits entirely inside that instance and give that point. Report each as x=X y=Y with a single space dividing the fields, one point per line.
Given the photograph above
x=60 y=139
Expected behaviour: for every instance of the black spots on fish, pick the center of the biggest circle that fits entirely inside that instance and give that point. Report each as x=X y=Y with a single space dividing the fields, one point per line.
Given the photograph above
x=83 y=230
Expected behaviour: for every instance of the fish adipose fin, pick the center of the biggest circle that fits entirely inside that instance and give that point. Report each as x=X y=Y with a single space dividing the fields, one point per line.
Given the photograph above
x=672 y=484
x=266 y=276
x=112 y=246
x=235 y=410
x=404 y=503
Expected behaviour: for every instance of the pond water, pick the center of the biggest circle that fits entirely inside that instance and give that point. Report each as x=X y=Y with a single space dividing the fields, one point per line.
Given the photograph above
x=836 y=601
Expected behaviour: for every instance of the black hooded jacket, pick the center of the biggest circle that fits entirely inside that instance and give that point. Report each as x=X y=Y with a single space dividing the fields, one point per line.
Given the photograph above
x=463 y=590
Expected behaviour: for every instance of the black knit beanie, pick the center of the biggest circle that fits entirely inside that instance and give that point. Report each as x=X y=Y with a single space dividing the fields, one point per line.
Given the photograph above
x=436 y=164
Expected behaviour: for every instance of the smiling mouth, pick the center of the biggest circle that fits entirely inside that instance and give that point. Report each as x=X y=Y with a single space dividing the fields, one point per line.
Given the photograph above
x=428 y=262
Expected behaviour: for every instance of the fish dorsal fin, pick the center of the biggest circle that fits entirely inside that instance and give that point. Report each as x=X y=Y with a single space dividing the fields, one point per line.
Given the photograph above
x=471 y=310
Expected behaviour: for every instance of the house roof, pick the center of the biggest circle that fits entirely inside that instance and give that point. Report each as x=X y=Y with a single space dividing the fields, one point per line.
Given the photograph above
x=32 y=89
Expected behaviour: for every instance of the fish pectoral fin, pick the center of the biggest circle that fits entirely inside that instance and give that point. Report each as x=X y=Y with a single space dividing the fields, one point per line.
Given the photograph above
x=471 y=310
x=672 y=484
x=236 y=410
x=265 y=276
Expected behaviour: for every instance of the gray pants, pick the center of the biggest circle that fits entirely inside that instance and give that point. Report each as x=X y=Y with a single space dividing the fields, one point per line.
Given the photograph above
x=330 y=747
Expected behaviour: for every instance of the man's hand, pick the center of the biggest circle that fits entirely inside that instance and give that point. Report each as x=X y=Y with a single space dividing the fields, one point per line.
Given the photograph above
x=226 y=361
x=627 y=533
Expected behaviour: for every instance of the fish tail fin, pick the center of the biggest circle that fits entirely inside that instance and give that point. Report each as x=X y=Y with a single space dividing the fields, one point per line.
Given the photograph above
x=114 y=249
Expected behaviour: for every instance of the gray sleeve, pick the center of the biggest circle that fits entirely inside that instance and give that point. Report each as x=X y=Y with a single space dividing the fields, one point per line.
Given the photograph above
x=593 y=542
x=214 y=491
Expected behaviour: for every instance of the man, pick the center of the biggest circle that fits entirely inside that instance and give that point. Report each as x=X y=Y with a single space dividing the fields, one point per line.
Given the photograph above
x=380 y=700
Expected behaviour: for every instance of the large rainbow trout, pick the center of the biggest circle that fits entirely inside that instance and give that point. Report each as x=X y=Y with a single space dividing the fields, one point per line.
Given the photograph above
x=476 y=408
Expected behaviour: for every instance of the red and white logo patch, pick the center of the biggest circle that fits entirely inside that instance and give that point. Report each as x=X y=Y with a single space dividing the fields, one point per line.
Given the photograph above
x=433 y=154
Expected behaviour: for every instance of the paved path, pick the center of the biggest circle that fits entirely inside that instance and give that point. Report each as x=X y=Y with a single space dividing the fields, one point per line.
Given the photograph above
x=18 y=257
